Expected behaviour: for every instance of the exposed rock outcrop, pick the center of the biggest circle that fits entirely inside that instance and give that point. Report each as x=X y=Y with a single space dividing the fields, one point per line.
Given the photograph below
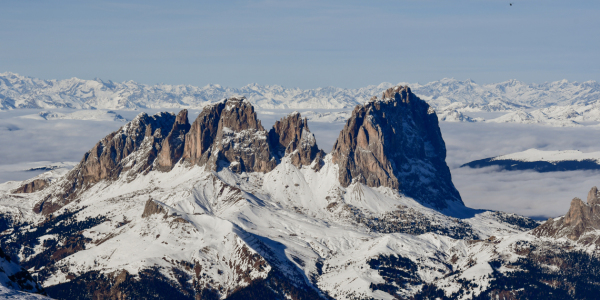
x=291 y=137
x=32 y=186
x=173 y=145
x=582 y=218
x=152 y=208
x=228 y=134
x=134 y=147
x=396 y=142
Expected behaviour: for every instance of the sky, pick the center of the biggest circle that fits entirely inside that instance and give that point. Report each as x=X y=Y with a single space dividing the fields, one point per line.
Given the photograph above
x=304 y=44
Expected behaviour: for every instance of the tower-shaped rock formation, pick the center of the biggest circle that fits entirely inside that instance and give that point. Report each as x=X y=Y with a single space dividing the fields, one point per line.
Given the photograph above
x=291 y=136
x=173 y=145
x=396 y=142
x=229 y=134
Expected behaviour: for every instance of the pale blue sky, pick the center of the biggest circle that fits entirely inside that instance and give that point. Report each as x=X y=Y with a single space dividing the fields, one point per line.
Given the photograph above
x=303 y=44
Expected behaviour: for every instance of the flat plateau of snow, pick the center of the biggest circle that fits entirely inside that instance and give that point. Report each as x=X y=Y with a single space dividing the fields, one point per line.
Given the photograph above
x=549 y=156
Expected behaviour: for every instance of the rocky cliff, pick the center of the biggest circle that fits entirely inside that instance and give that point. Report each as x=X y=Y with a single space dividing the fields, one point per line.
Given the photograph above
x=396 y=142
x=229 y=134
x=291 y=136
x=134 y=146
x=225 y=134
x=32 y=186
x=173 y=145
x=581 y=220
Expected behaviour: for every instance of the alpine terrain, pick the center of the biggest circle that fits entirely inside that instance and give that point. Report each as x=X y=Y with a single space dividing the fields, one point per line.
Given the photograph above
x=224 y=208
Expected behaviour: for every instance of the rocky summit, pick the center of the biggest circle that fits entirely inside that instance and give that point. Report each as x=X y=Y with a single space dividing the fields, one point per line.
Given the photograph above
x=396 y=142
x=291 y=136
x=580 y=224
x=229 y=133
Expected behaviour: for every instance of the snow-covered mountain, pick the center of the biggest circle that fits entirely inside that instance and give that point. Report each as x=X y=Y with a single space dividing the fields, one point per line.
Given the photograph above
x=223 y=208
x=18 y=91
x=541 y=161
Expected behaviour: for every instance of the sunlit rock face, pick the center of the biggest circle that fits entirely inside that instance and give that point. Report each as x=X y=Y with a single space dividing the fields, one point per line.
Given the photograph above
x=291 y=137
x=579 y=224
x=173 y=145
x=229 y=134
x=132 y=149
x=396 y=142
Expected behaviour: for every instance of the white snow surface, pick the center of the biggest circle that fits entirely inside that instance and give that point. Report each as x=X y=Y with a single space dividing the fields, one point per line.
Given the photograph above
x=531 y=155
x=8 y=293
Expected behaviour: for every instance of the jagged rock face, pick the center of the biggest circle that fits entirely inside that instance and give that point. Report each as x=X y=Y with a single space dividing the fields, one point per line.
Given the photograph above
x=229 y=134
x=32 y=186
x=581 y=219
x=110 y=157
x=291 y=137
x=173 y=146
x=396 y=142
x=152 y=208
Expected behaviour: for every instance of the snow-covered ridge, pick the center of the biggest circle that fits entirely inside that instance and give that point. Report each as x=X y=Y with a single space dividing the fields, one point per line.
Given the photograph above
x=18 y=91
x=541 y=161
x=549 y=156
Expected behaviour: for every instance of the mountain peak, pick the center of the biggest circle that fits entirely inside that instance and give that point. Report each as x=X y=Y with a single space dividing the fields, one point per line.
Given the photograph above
x=396 y=142
x=291 y=137
x=581 y=219
x=229 y=132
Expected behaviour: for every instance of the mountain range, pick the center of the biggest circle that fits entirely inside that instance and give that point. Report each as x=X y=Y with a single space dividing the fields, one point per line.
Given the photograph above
x=18 y=91
x=223 y=208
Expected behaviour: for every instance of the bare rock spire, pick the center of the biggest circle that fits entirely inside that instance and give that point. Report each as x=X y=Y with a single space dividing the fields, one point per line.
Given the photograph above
x=291 y=137
x=173 y=145
x=228 y=134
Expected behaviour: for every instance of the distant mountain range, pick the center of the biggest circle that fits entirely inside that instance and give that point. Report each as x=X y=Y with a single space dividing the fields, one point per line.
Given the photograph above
x=18 y=91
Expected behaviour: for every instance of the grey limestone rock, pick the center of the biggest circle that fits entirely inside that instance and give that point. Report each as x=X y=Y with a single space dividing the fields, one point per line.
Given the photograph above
x=291 y=137
x=396 y=142
x=582 y=218
x=229 y=134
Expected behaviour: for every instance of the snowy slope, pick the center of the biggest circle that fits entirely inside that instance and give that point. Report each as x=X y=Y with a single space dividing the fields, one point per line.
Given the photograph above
x=550 y=156
x=16 y=282
x=224 y=214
